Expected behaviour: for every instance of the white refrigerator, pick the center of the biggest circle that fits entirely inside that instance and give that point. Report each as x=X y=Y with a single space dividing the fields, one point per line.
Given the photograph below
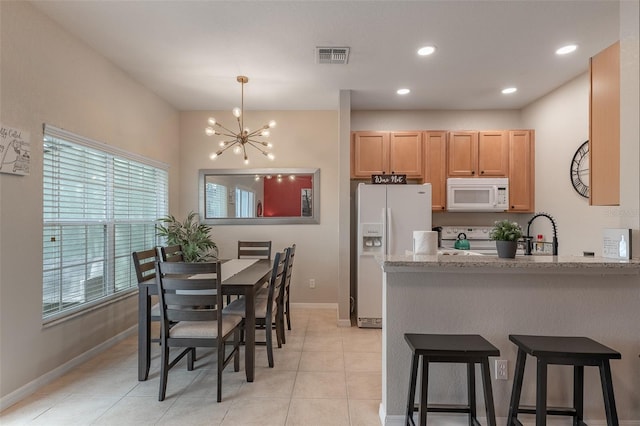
x=387 y=217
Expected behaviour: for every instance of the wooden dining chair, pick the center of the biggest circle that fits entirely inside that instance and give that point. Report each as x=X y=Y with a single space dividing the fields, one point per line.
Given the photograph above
x=254 y=250
x=179 y=290
x=172 y=253
x=268 y=314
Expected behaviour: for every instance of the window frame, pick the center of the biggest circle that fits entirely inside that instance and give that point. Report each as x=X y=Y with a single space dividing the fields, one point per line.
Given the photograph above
x=127 y=222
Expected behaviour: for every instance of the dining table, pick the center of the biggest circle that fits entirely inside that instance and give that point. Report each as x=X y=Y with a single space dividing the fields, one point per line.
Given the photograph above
x=241 y=277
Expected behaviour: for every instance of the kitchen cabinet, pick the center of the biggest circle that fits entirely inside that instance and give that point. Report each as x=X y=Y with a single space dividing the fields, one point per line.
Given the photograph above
x=386 y=152
x=521 y=171
x=604 y=127
x=435 y=167
x=478 y=154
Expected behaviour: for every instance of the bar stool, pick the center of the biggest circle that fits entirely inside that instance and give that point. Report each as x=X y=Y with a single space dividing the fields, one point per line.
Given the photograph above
x=467 y=349
x=576 y=351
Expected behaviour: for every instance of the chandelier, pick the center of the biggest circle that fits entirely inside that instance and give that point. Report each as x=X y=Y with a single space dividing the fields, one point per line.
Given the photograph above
x=244 y=137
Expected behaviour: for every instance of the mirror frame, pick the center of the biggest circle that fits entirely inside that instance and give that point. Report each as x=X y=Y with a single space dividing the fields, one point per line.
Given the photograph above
x=289 y=220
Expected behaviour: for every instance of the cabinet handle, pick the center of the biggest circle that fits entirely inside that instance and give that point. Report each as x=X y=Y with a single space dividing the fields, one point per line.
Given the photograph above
x=473 y=172
x=482 y=172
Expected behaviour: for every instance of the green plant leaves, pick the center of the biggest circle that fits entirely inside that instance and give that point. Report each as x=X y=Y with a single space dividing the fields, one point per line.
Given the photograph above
x=504 y=230
x=193 y=236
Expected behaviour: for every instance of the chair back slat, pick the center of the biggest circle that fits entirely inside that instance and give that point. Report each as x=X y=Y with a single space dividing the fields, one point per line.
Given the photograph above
x=172 y=253
x=144 y=263
x=189 y=299
x=199 y=314
x=254 y=250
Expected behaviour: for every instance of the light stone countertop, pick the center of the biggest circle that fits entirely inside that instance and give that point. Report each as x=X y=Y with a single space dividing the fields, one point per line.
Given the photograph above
x=532 y=264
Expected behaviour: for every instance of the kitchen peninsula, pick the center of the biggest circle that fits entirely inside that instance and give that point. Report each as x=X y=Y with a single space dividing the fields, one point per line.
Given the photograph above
x=543 y=295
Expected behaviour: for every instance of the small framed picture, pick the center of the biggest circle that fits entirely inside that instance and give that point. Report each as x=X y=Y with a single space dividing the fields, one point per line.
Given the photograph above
x=306 y=207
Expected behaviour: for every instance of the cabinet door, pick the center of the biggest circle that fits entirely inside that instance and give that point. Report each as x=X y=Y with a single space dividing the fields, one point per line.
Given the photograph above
x=370 y=153
x=493 y=154
x=405 y=153
x=604 y=128
x=462 y=154
x=521 y=171
x=435 y=160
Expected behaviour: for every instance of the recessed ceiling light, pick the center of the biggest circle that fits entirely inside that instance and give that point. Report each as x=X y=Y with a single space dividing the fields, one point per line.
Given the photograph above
x=403 y=91
x=426 y=50
x=566 y=49
x=509 y=90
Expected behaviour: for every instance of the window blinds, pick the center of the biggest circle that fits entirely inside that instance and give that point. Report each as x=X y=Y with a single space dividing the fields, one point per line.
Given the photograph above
x=99 y=205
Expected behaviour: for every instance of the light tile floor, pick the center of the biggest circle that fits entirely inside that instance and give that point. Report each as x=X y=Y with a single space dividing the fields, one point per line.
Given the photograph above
x=324 y=375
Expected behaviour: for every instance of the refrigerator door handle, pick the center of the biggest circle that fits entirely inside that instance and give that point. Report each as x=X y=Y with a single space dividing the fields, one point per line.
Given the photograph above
x=389 y=232
x=384 y=230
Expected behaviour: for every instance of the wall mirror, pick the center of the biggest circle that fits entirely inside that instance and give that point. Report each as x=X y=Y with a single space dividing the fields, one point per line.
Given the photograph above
x=259 y=196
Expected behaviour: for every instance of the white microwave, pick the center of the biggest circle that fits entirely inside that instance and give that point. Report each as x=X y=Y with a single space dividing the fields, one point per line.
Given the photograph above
x=477 y=194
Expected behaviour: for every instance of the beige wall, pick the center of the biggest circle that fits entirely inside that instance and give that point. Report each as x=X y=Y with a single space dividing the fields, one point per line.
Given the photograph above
x=50 y=77
x=306 y=139
x=435 y=120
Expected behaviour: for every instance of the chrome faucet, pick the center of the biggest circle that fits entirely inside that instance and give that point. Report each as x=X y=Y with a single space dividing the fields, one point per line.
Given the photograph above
x=529 y=239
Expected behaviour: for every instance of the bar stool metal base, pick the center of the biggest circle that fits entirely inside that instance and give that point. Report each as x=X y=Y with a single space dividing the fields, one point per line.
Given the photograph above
x=450 y=348
x=576 y=351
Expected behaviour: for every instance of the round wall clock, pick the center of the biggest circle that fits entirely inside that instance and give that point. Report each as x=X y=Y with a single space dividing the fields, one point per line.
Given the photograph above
x=580 y=170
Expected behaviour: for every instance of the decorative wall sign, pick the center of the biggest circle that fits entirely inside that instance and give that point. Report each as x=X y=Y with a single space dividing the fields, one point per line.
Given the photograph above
x=15 y=151
x=616 y=243
x=392 y=179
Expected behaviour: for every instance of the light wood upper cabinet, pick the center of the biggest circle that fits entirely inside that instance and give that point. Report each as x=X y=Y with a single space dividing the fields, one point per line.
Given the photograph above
x=604 y=128
x=386 y=152
x=478 y=154
x=435 y=168
x=463 y=154
x=521 y=171
x=405 y=153
x=493 y=154
x=369 y=154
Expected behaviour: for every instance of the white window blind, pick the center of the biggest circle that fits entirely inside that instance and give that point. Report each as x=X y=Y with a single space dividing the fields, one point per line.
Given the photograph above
x=100 y=204
x=244 y=203
x=215 y=201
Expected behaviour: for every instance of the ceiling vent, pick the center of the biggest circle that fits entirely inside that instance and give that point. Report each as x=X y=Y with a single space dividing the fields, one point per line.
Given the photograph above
x=332 y=55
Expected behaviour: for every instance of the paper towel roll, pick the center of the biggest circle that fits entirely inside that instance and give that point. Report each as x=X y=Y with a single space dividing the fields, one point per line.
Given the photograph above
x=425 y=242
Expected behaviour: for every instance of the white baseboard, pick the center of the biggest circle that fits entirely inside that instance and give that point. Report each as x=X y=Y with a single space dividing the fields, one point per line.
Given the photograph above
x=315 y=306
x=332 y=306
x=463 y=420
x=344 y=323
x=31 y=387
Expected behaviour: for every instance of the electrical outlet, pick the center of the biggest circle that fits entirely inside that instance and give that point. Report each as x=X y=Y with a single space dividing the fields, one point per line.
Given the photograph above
x=312 y=283
x=502 y=370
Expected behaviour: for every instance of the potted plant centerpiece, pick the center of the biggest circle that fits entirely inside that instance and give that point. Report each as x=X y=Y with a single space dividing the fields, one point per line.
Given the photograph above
x=193 y=236
x=506 y=234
